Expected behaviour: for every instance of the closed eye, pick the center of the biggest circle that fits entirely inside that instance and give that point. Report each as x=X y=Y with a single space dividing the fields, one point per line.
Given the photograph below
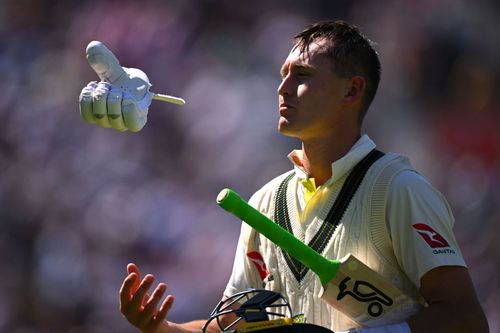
x=302 y=73
x=296 y=70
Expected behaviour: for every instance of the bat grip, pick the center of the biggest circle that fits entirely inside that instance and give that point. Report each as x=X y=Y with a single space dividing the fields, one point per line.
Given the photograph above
x=325 y=269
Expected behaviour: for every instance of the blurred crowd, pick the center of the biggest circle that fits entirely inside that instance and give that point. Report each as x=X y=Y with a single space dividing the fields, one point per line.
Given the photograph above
x=78 y=202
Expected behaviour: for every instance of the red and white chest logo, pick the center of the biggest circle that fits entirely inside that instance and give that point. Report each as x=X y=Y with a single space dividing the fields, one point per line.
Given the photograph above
x=259 y=263
x=431 y=236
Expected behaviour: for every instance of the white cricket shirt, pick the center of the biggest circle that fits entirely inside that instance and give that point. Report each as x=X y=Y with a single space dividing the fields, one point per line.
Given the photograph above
x=397 y=224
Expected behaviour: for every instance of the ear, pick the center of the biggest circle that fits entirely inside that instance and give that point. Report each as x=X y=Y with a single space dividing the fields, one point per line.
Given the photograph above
x=356 y=89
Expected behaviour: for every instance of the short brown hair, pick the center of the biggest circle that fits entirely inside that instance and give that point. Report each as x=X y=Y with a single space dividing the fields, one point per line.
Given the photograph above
x=350 y=51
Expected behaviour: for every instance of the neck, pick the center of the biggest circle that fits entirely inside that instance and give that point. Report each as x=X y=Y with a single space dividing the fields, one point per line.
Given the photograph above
x=318 y=155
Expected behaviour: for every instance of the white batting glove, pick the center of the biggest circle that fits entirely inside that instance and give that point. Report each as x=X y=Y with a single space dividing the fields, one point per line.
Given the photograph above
x=122 y=98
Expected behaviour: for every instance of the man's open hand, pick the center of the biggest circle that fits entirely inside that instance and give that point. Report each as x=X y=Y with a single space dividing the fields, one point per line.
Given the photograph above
x=141 y=309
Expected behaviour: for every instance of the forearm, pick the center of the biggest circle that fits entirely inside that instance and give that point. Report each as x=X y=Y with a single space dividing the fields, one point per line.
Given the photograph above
x=189 y=327
x=445 y=317
x=453 y=304
x=439 y=317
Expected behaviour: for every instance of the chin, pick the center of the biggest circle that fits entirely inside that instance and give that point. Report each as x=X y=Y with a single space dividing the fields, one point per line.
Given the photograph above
x=287 y=131
x=283 y=126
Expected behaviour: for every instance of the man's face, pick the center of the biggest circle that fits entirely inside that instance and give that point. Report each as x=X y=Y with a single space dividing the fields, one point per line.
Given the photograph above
x=311 y=95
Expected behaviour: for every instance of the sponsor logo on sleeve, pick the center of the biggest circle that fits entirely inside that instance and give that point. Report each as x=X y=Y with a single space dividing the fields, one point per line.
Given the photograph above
x=259 y=263
x=433 y=239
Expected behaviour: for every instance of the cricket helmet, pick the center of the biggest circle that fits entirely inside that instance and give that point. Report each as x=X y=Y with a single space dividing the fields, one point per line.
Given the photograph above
x=259 y=313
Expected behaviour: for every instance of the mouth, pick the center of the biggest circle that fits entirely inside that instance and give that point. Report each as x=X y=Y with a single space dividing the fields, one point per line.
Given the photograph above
x=285 y=108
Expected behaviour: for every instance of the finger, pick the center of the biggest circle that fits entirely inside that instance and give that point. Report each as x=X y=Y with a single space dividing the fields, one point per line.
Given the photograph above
x=132 y=268
x=162 y=314
x=140 y=294
x=126 y=291
x=152 y=303
x=85 y=100
x=132 y=116
x=99 y=104
x=104 y=62
x=114 y=106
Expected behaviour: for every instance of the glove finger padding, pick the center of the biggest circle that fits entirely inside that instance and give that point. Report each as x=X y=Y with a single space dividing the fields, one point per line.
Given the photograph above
x=86 y=102
x=133 y=116
x=122 y=105
x=114 y=105
x=99 y=104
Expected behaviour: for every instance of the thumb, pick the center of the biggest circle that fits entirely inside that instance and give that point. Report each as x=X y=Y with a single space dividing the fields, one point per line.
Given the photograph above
x=104 y=62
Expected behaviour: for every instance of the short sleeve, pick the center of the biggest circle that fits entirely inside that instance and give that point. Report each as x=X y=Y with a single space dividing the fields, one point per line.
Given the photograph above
x=247 y=269
x=420 y=224
x=238 y=280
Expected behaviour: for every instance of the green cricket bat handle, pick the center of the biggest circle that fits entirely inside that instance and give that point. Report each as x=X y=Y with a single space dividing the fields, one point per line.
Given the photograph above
x=325 y=269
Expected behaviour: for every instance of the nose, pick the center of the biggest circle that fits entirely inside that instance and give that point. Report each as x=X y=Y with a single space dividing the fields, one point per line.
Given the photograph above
x=285 y=87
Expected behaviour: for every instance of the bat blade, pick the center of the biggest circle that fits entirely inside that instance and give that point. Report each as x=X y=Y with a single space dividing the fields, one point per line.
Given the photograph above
x=365 y=296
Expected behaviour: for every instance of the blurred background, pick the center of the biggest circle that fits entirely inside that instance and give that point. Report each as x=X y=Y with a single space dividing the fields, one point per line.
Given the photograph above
x=78 y=202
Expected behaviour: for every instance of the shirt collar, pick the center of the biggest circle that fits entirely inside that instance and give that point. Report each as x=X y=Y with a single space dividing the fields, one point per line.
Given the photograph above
x=341 y=166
